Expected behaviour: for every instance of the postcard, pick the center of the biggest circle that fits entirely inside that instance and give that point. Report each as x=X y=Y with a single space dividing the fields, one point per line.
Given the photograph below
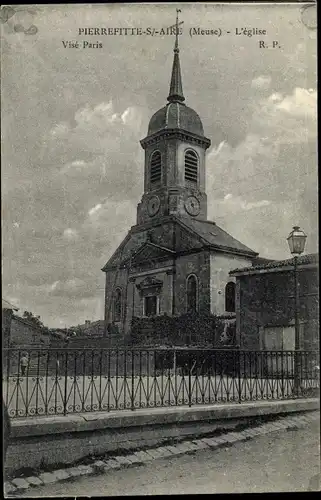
x=160 y=248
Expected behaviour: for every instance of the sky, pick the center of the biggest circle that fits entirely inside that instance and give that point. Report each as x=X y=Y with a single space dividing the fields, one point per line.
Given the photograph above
x=72 y=119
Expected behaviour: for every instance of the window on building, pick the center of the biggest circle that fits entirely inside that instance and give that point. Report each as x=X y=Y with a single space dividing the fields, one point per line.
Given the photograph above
x=191 y=166
x=151 y=305
x=191 y=292
x=155 y=168
x=117 y=305
x=230 y=297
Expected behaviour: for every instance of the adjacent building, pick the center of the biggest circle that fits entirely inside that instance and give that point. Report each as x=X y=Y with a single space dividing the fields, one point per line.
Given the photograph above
x=17 y=331
x=8 y=311
x=89 y=328
x=265 y=304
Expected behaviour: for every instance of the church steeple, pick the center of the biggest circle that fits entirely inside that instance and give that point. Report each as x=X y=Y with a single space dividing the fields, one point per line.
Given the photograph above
x=175 y=147
x=176 y=87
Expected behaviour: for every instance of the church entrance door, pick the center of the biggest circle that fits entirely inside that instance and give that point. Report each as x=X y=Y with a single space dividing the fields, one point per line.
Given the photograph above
x=151 y=305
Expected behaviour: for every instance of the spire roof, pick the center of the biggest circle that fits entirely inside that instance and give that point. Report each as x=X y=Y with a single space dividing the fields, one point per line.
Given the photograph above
x=176 y=88
x=176 y=114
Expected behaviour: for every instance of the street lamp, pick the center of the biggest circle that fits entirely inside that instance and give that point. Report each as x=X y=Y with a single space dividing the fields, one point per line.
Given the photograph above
x=296 y=241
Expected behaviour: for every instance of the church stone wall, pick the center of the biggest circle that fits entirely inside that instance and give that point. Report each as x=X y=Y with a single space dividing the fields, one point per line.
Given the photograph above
x=132 y=300
x=115 y=278
x=198 y=264
x=220 y=266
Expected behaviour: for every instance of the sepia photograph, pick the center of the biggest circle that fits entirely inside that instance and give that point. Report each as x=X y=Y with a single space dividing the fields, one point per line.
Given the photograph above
x=160 y=291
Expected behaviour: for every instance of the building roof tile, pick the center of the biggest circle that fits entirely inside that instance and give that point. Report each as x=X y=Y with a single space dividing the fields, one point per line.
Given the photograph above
x=8 y=305
x=216 y=236
x=312 y=258
x=208 y=233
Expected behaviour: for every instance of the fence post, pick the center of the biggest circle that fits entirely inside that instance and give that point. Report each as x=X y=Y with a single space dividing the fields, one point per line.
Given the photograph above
x=65 y=391
x=133 y=382
x=239 y=376
x=189 y=380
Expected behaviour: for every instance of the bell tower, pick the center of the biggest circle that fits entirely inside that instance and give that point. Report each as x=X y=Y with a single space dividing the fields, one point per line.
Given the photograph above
x=175 y=150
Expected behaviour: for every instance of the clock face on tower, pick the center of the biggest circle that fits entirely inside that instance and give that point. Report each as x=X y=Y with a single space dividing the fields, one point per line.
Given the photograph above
x=192 y=205
x=153 y=205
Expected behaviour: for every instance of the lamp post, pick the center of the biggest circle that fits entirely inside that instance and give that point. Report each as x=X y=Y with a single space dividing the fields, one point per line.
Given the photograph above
x=296 y=241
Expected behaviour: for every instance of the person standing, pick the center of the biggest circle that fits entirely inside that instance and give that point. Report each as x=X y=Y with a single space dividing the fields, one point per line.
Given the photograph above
x=24 y=363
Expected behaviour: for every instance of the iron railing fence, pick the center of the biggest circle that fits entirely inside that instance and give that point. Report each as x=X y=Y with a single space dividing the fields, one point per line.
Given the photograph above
x=62 y=381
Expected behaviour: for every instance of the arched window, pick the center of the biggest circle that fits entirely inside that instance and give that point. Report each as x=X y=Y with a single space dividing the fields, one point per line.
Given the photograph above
x=155 y=168
x=191 y=293
x=230 y=297
x=191 y=166
x=117 y=305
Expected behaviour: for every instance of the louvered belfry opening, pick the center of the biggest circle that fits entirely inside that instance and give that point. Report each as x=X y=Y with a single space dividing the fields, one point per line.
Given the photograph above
x=155 y=168
x=191 y=166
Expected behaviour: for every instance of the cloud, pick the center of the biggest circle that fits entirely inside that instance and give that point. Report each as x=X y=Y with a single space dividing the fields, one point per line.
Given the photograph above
x=53 y=286
x=102 y=147
x=261 y=82
x=268 y=174
x=109 y=219
x=236 y=203
x=59 y=130
x=286 y=119
x=276 y=96
x=96 y=125
x=101 y=115
x=95 y=209
x=71 y=288
x=70 y=234
x=78 y=163
x=302 y=103
x=133 y=118
x=215 y=151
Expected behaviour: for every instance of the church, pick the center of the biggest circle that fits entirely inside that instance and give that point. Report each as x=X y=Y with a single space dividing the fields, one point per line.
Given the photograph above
x=174 y=260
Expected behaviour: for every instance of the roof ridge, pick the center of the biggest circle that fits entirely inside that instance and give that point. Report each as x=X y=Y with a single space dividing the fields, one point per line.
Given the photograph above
x=13 y=307
x=119 y=249
x=227 y=247
x=208 y=221
x=235 y=239
x=158 y=246
x=146 y=243
x=29 y=323
x=302 y=259
x=191 y=229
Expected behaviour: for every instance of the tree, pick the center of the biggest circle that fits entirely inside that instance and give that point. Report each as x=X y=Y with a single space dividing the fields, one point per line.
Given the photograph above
x=35 y=320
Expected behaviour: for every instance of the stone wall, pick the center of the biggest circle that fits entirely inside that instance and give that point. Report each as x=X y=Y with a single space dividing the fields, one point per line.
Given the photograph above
x=61 y=440
x=221 y=265
x=24 y=333
x=115 y=278
x=198 y=264
x=267 y=299
x=6 y=319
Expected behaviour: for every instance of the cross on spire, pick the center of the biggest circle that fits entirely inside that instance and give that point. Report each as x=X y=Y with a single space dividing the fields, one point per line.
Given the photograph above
x=176 y=88
x=176 y=49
